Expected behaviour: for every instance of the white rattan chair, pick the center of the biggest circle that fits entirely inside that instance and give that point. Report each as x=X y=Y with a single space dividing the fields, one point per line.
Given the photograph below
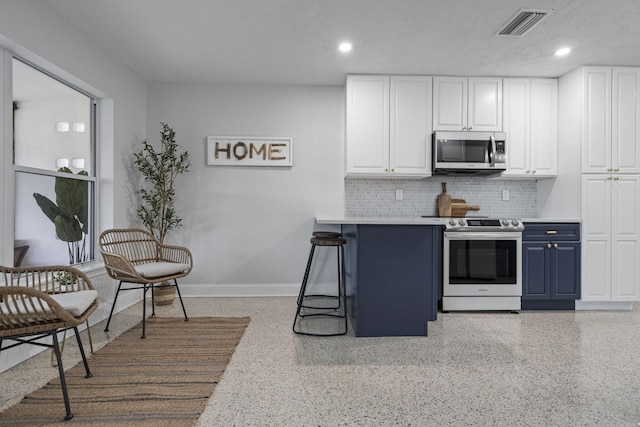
x=38 y=302
x=136 y=257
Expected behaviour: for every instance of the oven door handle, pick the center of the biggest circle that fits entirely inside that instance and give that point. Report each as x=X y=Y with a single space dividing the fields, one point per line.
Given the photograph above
x=483 y=235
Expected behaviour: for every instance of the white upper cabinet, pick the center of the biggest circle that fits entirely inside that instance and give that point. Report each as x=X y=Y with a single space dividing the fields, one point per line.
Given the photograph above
x=410 y=140
x=625 y=113
x=531 y=124
x=611 y=120
x=388 y=127
x=544 y=126
x=367 y=126
x=517 y=125
x=461 y=103
x=485 y=104
x=450 y=103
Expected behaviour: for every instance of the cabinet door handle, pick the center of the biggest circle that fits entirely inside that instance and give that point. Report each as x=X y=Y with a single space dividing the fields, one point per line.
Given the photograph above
x=555 y=245
x=616 y=178
x=549 y=245
x=464 y=128
x=552 y=232
x=616 y=170
x=609 y=169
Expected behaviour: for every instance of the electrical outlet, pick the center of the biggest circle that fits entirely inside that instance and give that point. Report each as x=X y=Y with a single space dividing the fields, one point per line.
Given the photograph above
x=505 y=194
x=399 y=194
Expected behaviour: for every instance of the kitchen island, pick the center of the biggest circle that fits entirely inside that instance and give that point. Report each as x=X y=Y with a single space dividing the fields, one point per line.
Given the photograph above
x=392 y=273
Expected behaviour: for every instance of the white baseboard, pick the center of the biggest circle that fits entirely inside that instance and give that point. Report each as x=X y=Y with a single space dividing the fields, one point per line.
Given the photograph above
x=604 y=305
x=245 y=290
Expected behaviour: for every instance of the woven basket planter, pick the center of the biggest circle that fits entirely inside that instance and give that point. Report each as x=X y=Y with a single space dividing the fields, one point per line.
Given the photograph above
x=164 y=295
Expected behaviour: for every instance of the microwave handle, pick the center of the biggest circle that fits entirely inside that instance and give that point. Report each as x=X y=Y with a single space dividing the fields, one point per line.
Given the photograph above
x=492 y=151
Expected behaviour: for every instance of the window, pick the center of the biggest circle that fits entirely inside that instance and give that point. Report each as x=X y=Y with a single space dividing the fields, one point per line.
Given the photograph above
x=53 y=156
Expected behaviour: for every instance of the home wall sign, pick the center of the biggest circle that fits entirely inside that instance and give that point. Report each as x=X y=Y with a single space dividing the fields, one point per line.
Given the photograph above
x=249 y=151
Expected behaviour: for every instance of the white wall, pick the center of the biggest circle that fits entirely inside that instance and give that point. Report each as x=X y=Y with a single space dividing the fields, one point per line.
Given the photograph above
x=31 y=30
x=251 y=225
x=244 y=225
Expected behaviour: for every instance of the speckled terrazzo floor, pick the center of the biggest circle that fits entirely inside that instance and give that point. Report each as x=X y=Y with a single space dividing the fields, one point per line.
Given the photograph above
x=500 y=369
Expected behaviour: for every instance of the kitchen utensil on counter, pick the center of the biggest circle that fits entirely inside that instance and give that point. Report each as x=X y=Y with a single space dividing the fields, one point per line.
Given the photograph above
x=459 y=208
x=443 y=202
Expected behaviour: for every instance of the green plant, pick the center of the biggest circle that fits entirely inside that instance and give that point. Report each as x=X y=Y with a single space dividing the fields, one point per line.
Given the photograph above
x=69 y=213
x=66 y=278
x=159 y=170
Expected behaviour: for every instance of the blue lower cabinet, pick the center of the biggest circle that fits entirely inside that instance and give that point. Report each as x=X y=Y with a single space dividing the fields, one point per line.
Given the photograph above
x=392 y=273
x=550 y=266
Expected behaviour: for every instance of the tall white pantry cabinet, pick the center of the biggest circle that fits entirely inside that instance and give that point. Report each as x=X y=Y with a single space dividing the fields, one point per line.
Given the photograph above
x=609 y=138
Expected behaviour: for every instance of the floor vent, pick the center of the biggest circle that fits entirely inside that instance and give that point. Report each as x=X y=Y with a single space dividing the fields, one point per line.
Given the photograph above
x=523 y=22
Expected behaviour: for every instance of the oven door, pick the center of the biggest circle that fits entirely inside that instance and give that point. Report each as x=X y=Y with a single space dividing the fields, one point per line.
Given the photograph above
x=482 y=263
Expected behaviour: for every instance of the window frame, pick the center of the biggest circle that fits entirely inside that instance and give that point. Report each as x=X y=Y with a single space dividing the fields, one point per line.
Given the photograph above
x=92 y=177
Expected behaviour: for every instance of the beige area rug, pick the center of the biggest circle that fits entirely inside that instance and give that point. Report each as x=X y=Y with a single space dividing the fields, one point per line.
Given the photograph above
x=163 y=380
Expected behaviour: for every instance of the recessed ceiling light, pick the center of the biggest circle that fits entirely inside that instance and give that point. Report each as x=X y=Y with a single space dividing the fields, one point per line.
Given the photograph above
x=563 y=51
x=345 y=47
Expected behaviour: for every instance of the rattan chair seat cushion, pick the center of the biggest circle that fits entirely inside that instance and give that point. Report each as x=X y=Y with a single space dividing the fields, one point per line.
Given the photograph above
x=76 y=303
x=161 y=269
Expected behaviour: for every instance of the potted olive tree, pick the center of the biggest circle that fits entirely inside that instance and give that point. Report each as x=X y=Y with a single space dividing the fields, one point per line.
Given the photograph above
x=159 y=169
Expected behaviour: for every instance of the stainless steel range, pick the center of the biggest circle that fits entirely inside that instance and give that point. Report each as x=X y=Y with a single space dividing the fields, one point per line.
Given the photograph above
x=482 y=264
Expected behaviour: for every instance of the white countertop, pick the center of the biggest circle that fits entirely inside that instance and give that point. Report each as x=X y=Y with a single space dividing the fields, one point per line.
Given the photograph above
x=412 y=220
x=555 y=220
x=405 y=220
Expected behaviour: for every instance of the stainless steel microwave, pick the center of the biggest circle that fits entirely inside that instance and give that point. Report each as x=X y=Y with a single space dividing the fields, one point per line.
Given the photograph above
x=478 y=153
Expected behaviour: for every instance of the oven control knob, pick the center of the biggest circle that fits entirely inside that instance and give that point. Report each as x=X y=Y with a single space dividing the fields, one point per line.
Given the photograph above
x=505 y=222
x=515 y=222
x=452 y=221
x=461 y=222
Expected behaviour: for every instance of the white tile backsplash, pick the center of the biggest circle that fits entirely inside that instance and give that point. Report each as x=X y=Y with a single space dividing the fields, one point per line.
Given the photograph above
x=377 y=197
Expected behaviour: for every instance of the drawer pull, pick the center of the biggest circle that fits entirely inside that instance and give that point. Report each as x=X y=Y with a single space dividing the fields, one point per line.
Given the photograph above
x=552 y=232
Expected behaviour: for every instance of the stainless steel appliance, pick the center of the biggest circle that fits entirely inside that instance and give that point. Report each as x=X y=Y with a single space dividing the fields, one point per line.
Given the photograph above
x=477 y=153
x=482 y=264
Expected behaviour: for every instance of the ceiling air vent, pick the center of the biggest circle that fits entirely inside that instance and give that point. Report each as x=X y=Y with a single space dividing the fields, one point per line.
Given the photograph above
x=523 y=22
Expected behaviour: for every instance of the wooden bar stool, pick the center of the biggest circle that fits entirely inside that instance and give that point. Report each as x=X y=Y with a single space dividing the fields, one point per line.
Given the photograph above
x=326 y=234
x=306 y=310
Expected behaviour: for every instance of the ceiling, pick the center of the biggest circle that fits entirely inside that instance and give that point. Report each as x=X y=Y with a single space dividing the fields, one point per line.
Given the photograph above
x=295 y=41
